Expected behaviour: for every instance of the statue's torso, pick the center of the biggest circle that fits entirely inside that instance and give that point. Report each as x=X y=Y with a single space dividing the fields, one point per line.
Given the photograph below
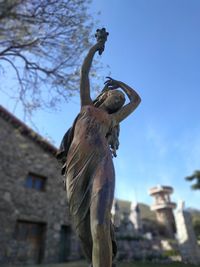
x=92 y=127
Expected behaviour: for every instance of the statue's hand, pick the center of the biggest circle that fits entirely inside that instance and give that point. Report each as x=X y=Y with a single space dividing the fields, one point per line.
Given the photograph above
x=112 y=84
x=101 y=36
x=100 y=46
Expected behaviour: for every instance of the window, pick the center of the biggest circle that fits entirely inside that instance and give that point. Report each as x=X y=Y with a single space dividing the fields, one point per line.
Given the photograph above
x=35 y=181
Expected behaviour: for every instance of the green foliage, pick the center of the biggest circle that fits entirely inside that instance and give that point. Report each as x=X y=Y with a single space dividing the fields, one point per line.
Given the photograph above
x=196 y=225
x=41 y=45
x=146 y=213
x=170 y=253
x=195 y=176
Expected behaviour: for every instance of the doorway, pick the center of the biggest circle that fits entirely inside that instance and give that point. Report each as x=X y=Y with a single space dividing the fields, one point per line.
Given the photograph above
x=65 y=243
x=30 y=236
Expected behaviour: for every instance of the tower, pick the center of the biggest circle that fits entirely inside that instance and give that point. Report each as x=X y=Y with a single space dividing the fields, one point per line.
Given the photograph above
x=164 y=207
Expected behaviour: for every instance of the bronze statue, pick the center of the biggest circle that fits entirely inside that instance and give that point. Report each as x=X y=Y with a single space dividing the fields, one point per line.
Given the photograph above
x=86 y=152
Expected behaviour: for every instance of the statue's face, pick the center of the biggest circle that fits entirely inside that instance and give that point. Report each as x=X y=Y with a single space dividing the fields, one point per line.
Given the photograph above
x=114 y=101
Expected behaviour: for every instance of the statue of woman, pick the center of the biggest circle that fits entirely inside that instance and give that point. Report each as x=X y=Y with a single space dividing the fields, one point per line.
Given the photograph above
x=87 y=149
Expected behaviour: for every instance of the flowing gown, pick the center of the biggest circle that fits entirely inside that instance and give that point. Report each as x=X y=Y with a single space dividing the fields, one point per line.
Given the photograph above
x=89 y=168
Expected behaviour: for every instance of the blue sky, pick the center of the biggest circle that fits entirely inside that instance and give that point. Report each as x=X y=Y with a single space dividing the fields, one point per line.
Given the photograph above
x=154 y=46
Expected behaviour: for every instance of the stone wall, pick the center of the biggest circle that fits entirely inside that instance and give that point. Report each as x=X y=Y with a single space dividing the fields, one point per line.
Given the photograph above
x=139 y=250
x=20 y=155
x=188 y=247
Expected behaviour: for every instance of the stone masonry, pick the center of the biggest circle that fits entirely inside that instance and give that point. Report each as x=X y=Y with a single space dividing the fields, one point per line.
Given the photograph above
x=190 y=252
x=24 y=209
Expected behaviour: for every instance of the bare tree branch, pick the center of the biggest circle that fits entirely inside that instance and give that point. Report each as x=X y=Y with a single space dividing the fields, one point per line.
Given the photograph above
x=43 y=41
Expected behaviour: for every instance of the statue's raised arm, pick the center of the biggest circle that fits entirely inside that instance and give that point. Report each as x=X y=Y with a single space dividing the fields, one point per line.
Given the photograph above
x=101 y=36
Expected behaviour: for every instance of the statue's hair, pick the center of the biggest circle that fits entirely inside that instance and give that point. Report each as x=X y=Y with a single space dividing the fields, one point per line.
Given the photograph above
x=100 y=98
x=113 y=139
x=113 y=135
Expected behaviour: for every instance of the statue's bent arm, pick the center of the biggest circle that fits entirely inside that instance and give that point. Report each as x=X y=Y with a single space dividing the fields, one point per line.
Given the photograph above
x=130 y=107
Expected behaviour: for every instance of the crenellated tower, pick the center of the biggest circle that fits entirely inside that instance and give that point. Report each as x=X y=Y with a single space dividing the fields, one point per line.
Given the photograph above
x=163 y=206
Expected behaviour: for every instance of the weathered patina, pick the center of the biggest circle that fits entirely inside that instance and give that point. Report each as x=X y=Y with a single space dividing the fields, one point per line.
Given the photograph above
x=86 y=151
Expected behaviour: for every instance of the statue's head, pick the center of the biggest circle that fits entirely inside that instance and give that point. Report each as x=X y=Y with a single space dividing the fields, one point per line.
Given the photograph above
x=110 y=100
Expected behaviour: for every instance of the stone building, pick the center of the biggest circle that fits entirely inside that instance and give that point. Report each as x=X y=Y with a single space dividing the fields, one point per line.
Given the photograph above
x=34 y=219
x=163 y=206
x=135 y=239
